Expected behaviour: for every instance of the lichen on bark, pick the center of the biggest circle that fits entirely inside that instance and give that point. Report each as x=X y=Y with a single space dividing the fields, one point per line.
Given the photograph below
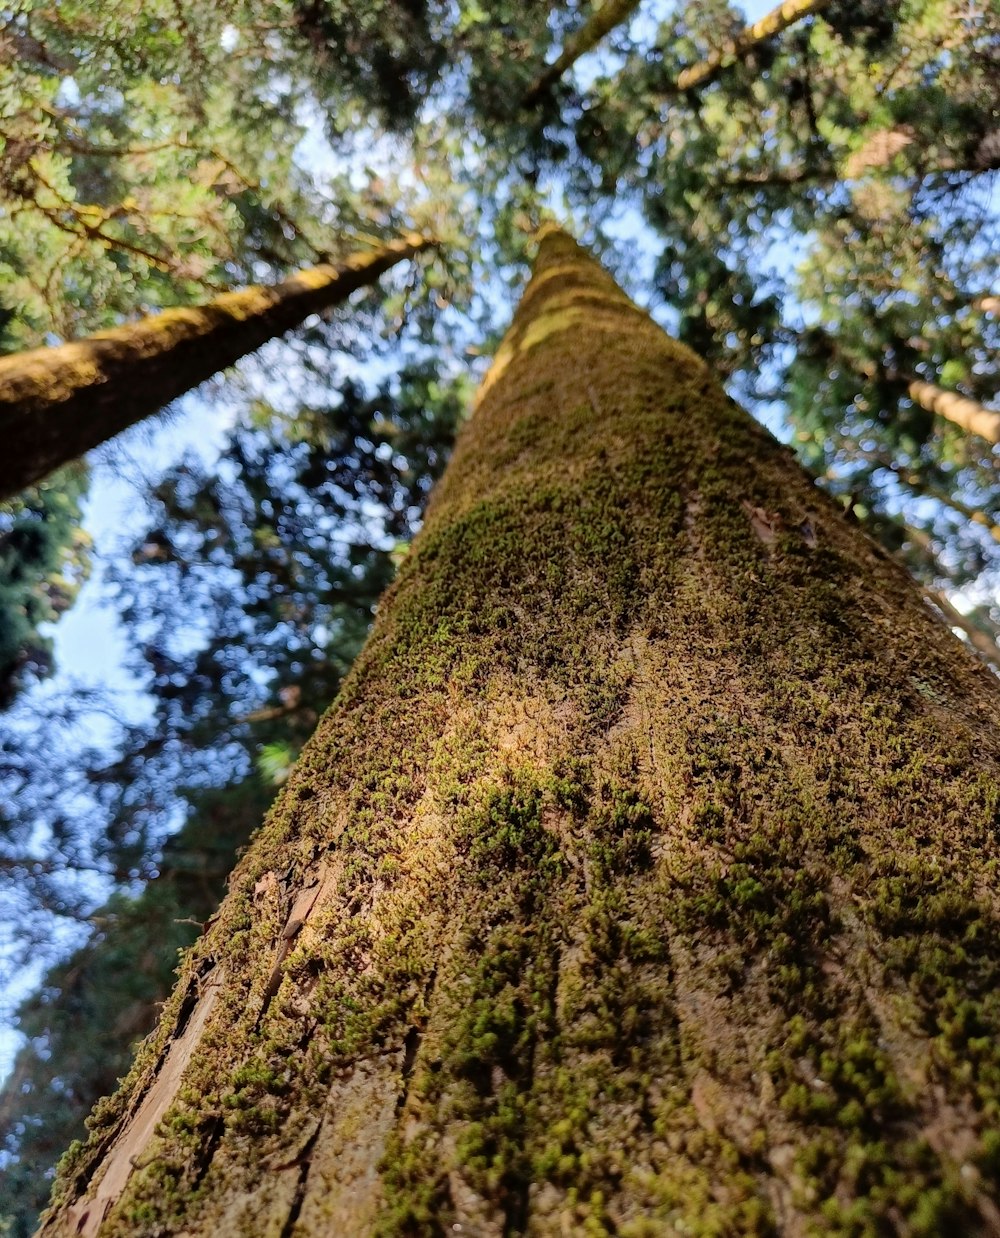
x=642 y=880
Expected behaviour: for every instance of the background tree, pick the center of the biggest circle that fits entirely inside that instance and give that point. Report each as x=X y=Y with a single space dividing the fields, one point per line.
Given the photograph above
x=58 y=403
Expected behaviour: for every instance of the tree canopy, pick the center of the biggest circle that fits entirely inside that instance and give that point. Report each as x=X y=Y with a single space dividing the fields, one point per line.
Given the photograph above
x=807 y=197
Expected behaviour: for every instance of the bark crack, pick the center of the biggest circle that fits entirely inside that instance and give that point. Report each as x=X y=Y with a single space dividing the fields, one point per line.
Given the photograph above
x=304 y=1163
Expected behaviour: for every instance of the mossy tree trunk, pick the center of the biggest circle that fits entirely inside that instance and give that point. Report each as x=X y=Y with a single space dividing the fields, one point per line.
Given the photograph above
x=57 y=403
x=641 y=880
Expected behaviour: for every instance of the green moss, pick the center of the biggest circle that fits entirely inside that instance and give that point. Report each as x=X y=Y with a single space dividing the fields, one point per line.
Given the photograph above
x=658 y=882
x=508 y=832
x=623 y=829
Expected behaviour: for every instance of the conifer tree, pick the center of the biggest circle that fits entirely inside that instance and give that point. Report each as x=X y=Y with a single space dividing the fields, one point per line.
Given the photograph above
x=640 y=878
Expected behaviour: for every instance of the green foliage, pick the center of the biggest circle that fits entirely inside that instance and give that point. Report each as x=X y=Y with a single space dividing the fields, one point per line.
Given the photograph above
x=384 y=50
x=43 y=562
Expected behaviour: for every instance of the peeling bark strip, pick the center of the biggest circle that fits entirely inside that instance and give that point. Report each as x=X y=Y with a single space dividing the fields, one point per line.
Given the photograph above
x=770 y=25
x=885 y=144
x=642 y=879
x=601 y=22
x=971 y=416
x=311 y=897
x=57 y=403
x=112 y=1173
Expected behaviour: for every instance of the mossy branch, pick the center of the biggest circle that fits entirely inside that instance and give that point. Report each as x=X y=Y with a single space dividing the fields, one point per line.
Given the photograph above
x=600 y=23
x=734 y=50
x=57 y=403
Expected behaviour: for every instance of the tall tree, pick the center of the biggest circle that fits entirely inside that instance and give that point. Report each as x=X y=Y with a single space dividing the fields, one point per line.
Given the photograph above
x=854 y=154
x=57 y=403
x=639 y=879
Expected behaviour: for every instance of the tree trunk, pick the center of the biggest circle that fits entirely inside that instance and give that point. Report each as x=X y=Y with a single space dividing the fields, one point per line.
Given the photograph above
x=600 y=23
x=771 y=24
x=641 y=880
x=57 y=403
x=970 y=415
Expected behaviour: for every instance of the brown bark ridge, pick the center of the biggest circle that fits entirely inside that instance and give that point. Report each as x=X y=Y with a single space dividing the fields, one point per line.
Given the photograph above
x=733 y=50
x=600 y=23
x=969 y=415
x=57 y=403
x=641 y=880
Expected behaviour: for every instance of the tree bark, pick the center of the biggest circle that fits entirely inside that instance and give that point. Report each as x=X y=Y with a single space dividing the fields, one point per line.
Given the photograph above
x=884 y=145
x=773 y=23
x=641 y=880
x=969 y=415
x=600 y=23
x=57 y=403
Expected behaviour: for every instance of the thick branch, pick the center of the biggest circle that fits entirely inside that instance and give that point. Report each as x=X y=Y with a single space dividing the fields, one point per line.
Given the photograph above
x=978 y=639
x=57 y=403
x=969 y=415
x=749 y=37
